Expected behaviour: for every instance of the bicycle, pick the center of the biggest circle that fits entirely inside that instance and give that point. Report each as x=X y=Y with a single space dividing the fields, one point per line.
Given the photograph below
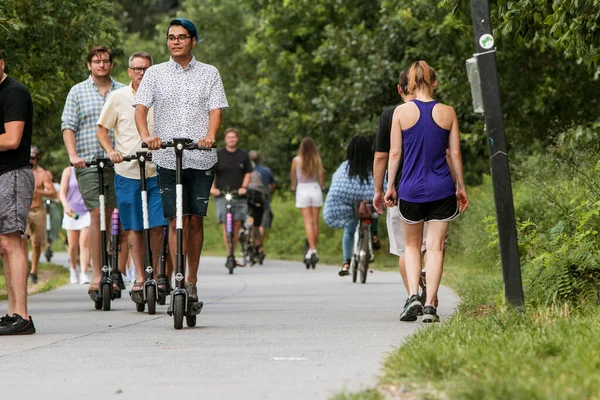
x=362 y=254
x=248 y=236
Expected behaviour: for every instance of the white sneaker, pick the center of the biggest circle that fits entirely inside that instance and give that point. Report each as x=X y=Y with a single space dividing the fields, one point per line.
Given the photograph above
x=74 y=278
x=83 y=278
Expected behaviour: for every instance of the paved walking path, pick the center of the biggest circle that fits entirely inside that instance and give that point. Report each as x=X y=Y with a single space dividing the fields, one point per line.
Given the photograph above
x=272 y=332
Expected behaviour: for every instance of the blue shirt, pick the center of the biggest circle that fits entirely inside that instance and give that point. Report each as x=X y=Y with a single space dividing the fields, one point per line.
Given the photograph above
x=267 y=178
x=82 y=108
x=339 y=209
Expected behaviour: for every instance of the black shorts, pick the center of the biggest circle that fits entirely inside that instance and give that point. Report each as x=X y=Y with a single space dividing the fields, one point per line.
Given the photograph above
x=257 y=212
x=444 y=210
x=196 y=191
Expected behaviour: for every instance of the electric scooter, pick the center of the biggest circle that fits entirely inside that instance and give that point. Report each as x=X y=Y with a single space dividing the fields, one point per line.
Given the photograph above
x=48 y=254
x=230 y=264
x=150 y=293
x=105 y=293
x=180 y=305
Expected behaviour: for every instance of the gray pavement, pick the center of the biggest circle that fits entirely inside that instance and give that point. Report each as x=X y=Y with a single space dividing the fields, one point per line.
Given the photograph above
x=276 y=331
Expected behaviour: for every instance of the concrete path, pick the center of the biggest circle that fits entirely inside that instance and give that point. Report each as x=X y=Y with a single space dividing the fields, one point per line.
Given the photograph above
x=272 y=332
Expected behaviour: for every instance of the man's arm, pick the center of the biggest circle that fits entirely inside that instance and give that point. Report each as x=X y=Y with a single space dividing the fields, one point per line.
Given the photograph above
x=69 y=139
x=141 y=122
x=214 y=123
x=104 y=140
x=11 y=139
x=379 y=167
x=48 y=188
x=242 y=191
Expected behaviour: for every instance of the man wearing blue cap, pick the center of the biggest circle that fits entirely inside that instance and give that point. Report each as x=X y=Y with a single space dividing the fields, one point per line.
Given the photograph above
x=188 y=97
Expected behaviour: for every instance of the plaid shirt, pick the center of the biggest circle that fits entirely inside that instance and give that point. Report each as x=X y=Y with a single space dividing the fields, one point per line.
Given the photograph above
x=82 y=109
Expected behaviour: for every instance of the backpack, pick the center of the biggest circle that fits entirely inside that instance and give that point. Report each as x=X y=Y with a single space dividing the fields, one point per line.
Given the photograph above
x=257 y=193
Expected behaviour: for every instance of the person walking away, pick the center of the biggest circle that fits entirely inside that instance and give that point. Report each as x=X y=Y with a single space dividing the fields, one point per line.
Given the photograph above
x=422 y=130
x=36 y=221
x=76 y=221
x=80 y=115
x=195 y=115
x=269 y=182
x=232 y=172
x=308 y=181
x=16 y=192
x=118 y=114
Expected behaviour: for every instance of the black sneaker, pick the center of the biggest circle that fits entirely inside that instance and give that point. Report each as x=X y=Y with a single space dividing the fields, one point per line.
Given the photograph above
x=5 y=319
x=16 y=325
x=33 y=278
x=430 y=314
x=412 y=308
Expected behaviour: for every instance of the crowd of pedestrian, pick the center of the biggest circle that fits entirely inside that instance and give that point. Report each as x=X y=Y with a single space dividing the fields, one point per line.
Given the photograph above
x=417 y=143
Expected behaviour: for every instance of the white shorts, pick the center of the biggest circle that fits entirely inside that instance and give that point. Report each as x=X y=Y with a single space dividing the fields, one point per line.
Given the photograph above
x=71 y=224
x=309 y=195
x=396 y=234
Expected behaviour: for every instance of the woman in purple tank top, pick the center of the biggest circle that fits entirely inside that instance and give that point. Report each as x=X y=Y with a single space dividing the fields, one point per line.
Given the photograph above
x=76 y=221
x=429 y=190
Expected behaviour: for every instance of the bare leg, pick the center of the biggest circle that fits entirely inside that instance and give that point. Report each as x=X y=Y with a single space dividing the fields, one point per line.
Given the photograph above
x=195 y=235
x=95 y=245
x=436 y=233
x=308 y=227
x=123 y=256
x=84 y=249
x=136 y=239
x=402 y=268
x=156 y=241
x=413 y=236
x=36 y=251
x=315 y=221
x=15 y=272
x=73 y=237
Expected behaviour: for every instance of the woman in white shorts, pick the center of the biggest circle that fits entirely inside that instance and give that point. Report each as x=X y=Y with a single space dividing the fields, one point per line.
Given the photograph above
x=76 y=221
x=308 y=179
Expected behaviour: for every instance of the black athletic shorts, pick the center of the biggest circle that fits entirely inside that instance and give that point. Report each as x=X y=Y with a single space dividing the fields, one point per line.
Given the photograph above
x=443 y=210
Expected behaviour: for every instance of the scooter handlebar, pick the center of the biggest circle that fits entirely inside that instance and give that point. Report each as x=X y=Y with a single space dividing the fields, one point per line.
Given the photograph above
x=187 y=145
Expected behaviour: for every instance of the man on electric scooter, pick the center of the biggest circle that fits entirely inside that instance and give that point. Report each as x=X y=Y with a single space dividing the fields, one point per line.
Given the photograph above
x=188 y=98
x=119 y=114
x=232 y=173
x=82 y=109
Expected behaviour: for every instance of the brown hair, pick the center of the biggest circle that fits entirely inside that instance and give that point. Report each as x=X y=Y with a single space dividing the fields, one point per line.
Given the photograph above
x=403 y=80
x=421 y=76
x=228 y=130
x=311 y=160
x=94 y=51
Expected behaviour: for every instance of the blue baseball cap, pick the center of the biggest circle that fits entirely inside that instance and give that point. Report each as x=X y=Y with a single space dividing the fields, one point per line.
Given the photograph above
x=188 y=25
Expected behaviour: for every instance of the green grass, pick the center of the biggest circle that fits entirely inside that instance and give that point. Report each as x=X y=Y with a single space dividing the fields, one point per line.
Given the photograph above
x=488 y=351
x=51 y=276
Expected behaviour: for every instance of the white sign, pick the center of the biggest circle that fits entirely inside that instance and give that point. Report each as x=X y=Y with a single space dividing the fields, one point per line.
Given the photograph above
x=486 y=41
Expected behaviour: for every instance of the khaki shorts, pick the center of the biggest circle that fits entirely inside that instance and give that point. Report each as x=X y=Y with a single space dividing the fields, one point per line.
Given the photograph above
x=36 y=225
x=89 y=187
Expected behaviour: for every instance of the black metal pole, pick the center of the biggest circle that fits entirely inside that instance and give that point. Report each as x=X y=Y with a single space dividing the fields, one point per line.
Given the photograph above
x=505 y=212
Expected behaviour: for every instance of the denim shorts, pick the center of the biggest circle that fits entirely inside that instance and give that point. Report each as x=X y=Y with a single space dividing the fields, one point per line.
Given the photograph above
x=129 y=203
x=196 y=191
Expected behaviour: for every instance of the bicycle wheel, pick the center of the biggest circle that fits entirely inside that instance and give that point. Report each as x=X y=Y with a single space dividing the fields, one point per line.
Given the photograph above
x=365 y=255
x=354 y=267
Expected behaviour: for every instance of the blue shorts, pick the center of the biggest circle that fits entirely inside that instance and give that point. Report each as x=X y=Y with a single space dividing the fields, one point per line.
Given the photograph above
x=129 y=203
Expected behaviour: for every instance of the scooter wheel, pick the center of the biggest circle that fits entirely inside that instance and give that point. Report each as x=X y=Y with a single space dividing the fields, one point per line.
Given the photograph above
x=178 y=311
x=151 y=299
x=140 y=307
x=106 y=292
x=162 y=298
x=190 y=320
x=98 y=304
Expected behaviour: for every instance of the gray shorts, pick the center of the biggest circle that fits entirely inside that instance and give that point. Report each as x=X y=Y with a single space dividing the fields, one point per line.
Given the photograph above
x=238 y=206
x=16 y=192
x=267 y=219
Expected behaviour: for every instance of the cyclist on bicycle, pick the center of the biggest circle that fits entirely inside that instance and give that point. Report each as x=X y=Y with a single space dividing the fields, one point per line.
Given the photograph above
x=351 y=182
x=232 y=173
x=268 y=186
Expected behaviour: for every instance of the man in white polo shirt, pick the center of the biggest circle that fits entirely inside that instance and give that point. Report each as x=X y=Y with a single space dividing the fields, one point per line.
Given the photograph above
x=118 y=113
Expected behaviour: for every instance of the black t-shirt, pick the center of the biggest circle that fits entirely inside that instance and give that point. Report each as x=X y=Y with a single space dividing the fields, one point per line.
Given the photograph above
x=382 y=139
x=231 y=168
x=15 y=105
x=384 y=133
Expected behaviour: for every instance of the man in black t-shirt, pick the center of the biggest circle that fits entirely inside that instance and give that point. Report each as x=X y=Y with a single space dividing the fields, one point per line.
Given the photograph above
x=16 y=191
x=232 y=172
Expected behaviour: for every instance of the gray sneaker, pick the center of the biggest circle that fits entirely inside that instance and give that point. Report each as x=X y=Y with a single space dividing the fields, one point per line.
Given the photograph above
x=430 y=314
x=412 y=308
x=192 y=292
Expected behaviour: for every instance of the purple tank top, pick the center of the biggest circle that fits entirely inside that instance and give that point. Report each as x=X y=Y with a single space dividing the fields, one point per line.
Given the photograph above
x=425 y=173
x=74 y=198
